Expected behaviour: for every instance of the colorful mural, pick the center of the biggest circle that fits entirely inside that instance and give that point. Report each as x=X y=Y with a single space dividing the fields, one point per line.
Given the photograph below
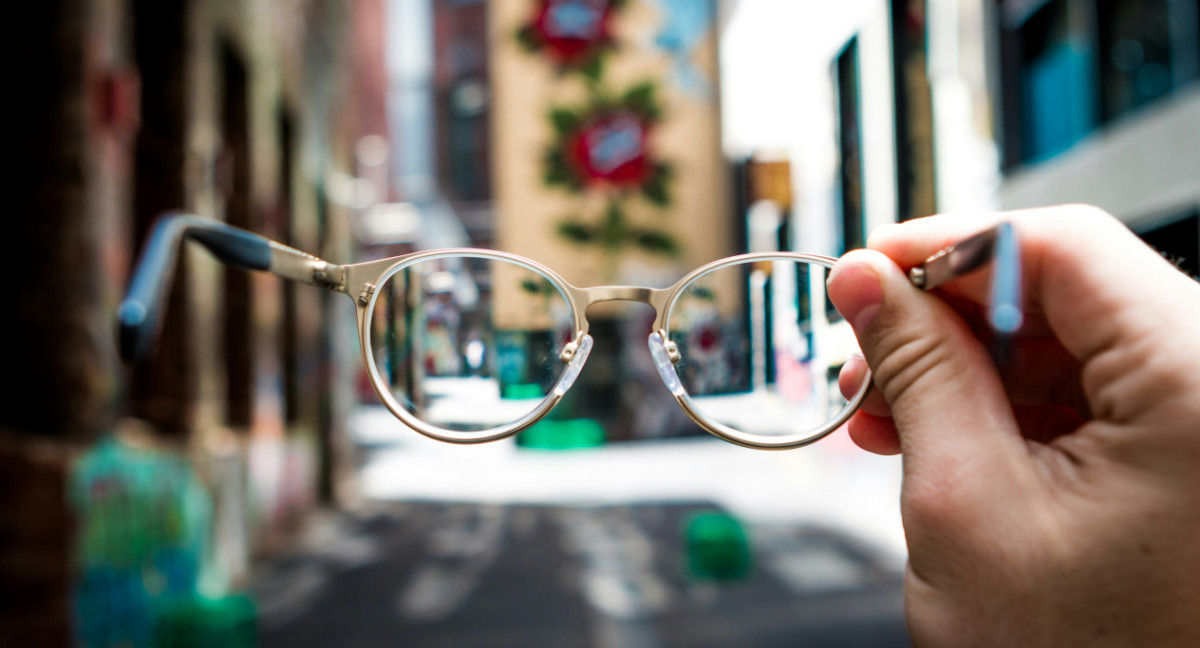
x=623 y=88
x=145 y=524
x=608 y=168
x=603 y=147
x=575 y=35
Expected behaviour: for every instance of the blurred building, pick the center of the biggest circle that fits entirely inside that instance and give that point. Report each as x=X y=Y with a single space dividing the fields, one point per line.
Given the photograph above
x=462 y=96
x=969 y=105
x=1098 y=101
x=246 y=112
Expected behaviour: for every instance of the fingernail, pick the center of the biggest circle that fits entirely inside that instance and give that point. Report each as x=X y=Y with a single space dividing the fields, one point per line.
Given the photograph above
x=856 y=292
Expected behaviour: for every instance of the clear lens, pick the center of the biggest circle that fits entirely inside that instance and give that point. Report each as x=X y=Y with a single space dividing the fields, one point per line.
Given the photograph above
x=761 y=348
x=468 y=343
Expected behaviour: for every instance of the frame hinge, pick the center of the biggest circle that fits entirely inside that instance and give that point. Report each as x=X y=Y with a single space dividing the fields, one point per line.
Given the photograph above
x=365 y=295
x=329 y=275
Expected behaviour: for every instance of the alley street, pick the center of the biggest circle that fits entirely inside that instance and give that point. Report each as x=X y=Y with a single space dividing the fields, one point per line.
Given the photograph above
x=451 y=575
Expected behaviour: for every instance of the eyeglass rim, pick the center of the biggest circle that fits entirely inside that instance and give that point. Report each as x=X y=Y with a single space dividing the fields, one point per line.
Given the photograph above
x=578 y=300
x=732 y=434
x=366 y=312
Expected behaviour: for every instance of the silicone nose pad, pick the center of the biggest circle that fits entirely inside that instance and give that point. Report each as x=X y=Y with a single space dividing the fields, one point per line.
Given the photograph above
x=576 y=366
x=662 y=362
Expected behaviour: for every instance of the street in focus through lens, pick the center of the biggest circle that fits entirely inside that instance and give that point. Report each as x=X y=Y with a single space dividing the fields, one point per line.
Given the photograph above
x=246 y=483
x=469 y=343
x=757 y=356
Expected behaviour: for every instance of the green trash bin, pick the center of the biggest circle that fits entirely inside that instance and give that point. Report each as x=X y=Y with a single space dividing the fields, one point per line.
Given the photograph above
x=567 y=434
x=718 y=547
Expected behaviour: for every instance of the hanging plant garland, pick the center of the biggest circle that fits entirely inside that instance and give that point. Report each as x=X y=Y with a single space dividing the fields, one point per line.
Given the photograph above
x=574 y=34
x=604 y=146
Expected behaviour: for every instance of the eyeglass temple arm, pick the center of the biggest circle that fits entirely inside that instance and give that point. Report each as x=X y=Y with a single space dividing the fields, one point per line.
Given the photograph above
x=998 y=245
x=139 y=313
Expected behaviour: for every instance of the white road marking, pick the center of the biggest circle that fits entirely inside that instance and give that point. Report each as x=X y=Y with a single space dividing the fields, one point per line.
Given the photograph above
x=618 y=576
x=461 y=549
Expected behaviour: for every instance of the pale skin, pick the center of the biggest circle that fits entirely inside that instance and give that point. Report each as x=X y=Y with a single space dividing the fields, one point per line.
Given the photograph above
x=1056 y=501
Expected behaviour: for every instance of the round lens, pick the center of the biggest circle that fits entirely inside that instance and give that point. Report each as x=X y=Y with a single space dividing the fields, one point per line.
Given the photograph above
x=468 y=343
x=761 y=347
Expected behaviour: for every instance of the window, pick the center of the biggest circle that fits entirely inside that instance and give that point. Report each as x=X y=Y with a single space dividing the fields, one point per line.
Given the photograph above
x=163 y=388
x=1070 y=66
x=1135 y=53
x=462 y=94
x=1053 y=77
x=915 y=192
x=850 y=147
x=235 y=172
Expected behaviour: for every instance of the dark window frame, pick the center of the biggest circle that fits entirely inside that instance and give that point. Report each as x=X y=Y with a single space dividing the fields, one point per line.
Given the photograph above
x=847 y=88
x=237 y=320
x=163 y=388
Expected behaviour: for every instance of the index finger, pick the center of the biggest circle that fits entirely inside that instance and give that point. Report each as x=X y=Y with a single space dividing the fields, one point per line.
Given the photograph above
x=1095 y=283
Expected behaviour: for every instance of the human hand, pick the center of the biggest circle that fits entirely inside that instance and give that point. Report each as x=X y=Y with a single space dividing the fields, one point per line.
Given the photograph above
x=1054 y=501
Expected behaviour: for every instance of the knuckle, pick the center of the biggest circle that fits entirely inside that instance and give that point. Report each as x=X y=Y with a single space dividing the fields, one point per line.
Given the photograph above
x=1081 y=218
x=909 y=362
x=1085 y=214
x=882 y=233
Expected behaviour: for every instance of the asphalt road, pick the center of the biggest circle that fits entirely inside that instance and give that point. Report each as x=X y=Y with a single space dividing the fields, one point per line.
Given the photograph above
x=526 y=576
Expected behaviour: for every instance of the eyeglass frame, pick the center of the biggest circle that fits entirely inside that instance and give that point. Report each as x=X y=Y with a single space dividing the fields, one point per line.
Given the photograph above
x=138 y=315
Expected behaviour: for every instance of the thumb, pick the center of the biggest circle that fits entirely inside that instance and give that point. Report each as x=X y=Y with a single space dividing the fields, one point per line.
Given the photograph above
x=947 y=399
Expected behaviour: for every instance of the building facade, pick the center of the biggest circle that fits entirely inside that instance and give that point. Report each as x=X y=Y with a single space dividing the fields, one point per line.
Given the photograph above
x=1025 y=103
x=192 y=461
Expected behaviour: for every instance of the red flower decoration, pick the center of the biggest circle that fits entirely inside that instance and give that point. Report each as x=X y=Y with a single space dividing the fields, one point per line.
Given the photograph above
x=605 y=145
x=707 y=338
x=610 y=148
x=572 y=32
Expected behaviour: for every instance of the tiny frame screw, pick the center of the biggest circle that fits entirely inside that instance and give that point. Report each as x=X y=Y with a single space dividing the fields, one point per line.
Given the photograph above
x=365 y=295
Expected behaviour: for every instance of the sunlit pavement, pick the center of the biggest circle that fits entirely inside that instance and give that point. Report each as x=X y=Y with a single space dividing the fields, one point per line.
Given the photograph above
x=498 y=545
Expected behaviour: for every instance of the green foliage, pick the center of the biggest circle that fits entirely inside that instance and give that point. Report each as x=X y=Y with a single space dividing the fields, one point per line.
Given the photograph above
x=656 y=188
x=657 y=242
x=535 y=287
x=614 y=230
x=642 y=99
x=527 y=39
x=614 y=233
x=565 y=121
x=593 y=69
x=575 y=232
x=556 y=171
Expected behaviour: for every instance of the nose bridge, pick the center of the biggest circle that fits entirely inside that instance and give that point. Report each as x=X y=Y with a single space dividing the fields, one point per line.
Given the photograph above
x=639 y=294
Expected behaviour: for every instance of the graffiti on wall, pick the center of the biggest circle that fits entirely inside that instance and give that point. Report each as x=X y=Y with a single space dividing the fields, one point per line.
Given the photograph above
x=143 y=577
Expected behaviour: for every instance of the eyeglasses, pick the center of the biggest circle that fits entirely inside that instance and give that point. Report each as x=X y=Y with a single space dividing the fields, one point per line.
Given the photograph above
x=472 y=345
